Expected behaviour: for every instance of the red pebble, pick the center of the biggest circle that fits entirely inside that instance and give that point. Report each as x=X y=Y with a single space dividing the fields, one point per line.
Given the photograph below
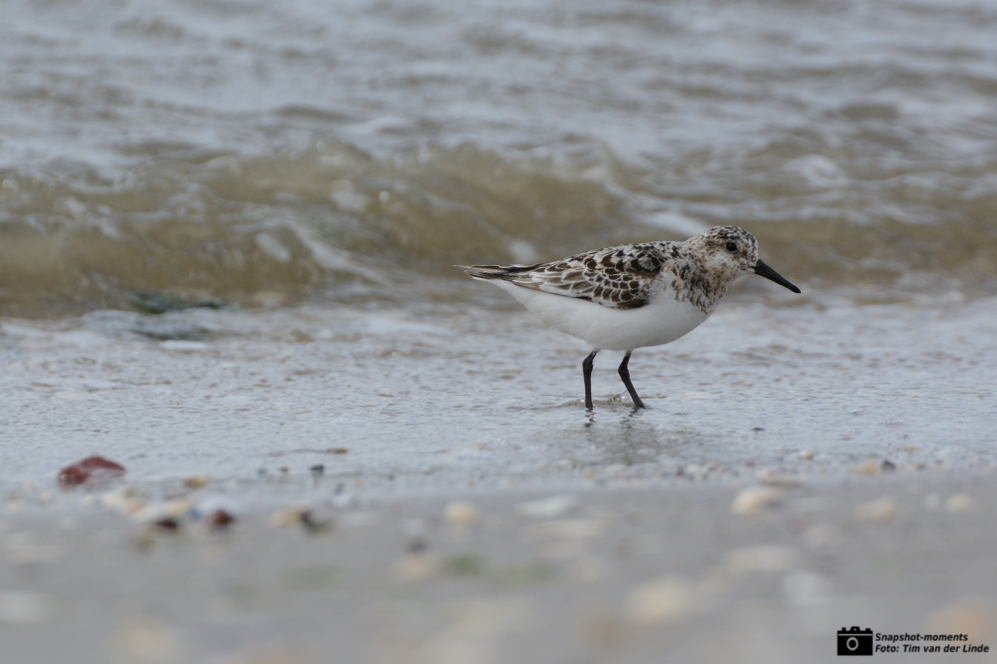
x=90 y=469
x=220 y=520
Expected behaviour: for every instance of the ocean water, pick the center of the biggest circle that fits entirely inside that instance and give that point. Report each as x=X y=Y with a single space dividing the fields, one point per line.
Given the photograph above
x=227 y=232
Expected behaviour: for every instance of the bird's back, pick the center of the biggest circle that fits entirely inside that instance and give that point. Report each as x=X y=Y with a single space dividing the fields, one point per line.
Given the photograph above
x=617 y=298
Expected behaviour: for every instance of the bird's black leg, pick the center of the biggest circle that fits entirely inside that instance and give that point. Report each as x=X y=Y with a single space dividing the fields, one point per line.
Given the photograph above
x=587 y=372
x=625 y=375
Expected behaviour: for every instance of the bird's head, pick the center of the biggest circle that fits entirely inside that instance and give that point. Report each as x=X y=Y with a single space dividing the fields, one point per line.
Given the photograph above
x=733 y=251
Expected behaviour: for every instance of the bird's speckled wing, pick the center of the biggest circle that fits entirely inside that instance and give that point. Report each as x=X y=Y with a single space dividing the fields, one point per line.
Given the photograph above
x=616 y=277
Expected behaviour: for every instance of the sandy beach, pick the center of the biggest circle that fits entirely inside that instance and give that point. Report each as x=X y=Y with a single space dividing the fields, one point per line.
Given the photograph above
x=228 y=233
x=680 y=571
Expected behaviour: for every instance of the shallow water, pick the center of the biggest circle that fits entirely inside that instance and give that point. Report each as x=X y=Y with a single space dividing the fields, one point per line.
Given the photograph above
x=265 y=152
x=227 y=232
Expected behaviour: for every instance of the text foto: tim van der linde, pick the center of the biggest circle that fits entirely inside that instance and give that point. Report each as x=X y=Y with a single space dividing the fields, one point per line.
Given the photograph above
x=910 y=648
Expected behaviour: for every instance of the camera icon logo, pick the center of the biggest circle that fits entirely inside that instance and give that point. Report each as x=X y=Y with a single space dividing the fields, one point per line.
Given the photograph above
x=855 y=641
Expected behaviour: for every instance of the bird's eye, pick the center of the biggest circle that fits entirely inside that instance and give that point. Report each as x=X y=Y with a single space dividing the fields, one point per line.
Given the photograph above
x=731 y=247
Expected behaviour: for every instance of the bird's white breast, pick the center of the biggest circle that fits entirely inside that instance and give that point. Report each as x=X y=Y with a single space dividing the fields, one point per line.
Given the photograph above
x=663 y=320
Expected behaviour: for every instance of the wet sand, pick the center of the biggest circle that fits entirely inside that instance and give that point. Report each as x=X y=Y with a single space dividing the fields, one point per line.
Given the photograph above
x=676 y=571
x=446 y=399
x=861 y=436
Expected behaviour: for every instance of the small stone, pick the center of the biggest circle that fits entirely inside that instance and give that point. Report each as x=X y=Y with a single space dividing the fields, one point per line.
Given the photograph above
x=461 y=513
x=316 y=525
x=755 y=499
x=195 y=482
x=317 y=470
x=173 y=509
x=693 y=471
x=300 y=516
x=167 y=524
x=960 y=502
x=94 y=469
x=338 y=450
x=220 y=520
x=177 y=507
x=870 y=467
x=547 y=508
x=769 y=477
x=762 y=559
x=209 y=507
x=667 y=599
x=879 y=511
x=806 y=455
x=888 y=465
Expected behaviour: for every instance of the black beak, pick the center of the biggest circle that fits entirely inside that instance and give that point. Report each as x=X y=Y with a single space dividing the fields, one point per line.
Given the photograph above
x=763 y=270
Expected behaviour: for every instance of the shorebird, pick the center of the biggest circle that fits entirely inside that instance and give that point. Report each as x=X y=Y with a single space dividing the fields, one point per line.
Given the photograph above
x=633 y=295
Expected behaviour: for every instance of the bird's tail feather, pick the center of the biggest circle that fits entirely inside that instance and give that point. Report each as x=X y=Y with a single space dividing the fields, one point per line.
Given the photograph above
x=496 y=271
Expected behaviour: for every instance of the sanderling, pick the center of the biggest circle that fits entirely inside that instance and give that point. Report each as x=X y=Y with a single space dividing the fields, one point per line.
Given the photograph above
x=633 y=295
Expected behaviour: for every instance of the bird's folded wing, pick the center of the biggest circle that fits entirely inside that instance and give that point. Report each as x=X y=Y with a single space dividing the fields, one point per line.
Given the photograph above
x=616 y=277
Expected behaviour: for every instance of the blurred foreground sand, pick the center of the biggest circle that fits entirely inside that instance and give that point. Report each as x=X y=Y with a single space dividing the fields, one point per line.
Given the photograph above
x=709 y=572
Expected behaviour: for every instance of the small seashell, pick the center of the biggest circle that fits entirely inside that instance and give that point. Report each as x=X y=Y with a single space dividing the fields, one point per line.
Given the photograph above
x=755 y=499
x=880 y=511
x=195 y=482
x=547 y=508
x=960 y=502
x=461 y=513
x=870 y=467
